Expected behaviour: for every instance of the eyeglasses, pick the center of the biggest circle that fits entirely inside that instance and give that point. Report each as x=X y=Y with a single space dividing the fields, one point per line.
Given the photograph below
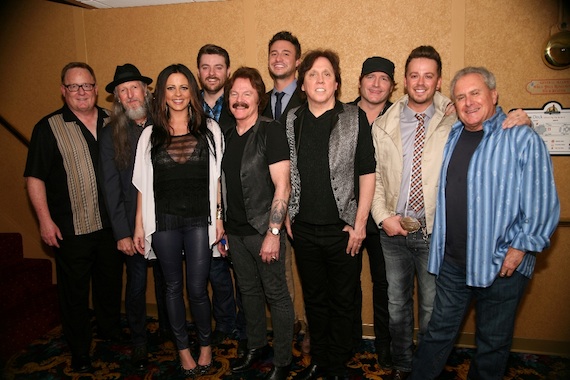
x=75 y=87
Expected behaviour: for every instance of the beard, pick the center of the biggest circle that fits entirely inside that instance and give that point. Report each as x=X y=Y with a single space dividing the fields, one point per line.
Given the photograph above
x=281 y=76
x=212 y=89
x=136 y=113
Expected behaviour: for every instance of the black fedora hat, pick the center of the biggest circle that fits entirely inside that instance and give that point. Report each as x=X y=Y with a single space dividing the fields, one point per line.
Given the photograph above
x=126 y=73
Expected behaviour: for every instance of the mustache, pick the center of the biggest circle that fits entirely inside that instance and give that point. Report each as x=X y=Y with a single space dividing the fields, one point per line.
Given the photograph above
x=240 y=104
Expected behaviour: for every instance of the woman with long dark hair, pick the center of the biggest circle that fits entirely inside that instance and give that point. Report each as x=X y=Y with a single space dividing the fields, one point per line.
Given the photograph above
x=177 y=173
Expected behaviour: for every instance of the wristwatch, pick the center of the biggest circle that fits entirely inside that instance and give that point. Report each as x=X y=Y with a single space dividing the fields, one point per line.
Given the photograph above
x=274 y=231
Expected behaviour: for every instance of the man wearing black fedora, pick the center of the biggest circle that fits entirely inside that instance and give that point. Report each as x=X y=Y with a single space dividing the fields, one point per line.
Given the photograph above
x=118 y=141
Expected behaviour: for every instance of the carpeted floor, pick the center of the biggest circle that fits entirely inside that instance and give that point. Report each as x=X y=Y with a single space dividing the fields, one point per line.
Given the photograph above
x=48 y=358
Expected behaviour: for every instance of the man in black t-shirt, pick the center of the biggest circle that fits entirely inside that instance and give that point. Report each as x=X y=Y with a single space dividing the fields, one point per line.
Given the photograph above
x=256 y=178
x=375 y=86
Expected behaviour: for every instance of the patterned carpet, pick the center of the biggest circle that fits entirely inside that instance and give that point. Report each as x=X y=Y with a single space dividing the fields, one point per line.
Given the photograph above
x=48 y=358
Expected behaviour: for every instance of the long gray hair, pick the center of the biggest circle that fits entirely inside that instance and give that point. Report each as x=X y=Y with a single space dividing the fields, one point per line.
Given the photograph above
x=120 y=124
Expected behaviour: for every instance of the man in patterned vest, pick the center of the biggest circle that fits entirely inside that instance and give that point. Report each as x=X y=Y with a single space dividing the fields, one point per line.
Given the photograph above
x=62 y=182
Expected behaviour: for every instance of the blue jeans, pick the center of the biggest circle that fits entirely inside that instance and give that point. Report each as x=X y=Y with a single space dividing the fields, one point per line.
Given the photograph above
x=261 y=282
x=168 y=246
x=495 y=311
x=406 y=257
x=135 y=296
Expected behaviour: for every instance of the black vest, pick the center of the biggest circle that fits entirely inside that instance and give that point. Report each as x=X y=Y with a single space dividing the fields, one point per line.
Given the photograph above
x=257 y=186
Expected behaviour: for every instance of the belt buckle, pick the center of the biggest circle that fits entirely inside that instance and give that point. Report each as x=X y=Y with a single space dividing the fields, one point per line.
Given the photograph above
x=410 y=224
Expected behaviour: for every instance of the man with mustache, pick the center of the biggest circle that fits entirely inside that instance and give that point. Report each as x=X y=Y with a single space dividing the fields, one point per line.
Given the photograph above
x=256 y=176
x=213 y=72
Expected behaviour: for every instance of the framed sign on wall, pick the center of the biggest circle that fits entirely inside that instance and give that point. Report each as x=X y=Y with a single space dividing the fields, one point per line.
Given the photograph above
x=552 y=123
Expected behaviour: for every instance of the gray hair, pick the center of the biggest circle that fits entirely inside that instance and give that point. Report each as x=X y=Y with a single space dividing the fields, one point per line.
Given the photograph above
x=120 y=123
x=487 y=76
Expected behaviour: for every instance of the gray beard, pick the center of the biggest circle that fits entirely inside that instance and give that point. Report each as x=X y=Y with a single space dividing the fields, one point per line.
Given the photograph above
x=136 y=114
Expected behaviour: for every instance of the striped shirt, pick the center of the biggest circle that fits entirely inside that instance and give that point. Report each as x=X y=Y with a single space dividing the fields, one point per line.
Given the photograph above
x=511 y=201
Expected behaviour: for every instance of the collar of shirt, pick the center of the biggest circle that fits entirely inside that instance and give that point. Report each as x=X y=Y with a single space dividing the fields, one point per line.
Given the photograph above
x=289 y=90
x=215 y=112
x=409 y=115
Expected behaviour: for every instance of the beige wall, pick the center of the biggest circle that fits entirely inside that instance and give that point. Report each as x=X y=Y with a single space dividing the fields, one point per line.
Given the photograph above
x=37 y=38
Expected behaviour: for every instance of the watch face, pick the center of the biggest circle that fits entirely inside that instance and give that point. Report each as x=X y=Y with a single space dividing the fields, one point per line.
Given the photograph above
x=274 y=231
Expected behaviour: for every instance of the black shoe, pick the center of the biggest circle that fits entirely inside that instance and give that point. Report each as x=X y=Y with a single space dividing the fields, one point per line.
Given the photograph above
x=384 y=357
x=251 y=356
x=312 y=371
x=189 y=373
x=278 y=373
x=139 y=357
x=81 y=363
x=204 y=369
x=242 y=348
x=398 y=374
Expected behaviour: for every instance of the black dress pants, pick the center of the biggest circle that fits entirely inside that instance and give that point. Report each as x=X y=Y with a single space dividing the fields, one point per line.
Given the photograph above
x=379 y=291
x=329 y=279
x=83 y=261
